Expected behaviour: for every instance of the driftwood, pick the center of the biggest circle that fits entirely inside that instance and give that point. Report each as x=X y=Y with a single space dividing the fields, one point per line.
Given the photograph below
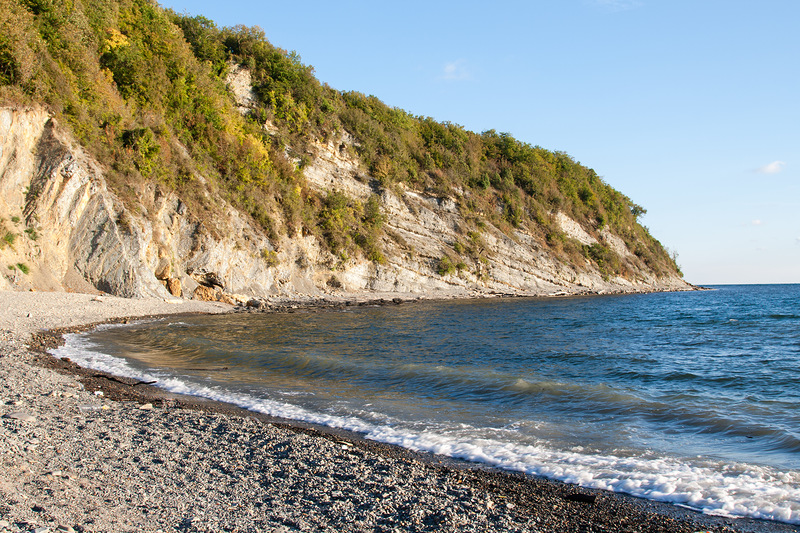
x=112 y=378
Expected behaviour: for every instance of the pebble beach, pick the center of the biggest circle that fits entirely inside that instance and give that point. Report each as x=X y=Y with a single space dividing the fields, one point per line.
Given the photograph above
x=86 y=451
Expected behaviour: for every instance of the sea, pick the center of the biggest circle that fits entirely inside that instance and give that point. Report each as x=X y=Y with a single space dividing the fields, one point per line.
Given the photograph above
x=691 y=398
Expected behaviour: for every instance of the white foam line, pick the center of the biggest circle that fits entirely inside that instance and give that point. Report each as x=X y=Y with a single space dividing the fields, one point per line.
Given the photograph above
x=733 y=490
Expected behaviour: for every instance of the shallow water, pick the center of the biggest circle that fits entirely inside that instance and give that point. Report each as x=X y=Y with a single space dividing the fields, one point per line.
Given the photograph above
x=692 y=398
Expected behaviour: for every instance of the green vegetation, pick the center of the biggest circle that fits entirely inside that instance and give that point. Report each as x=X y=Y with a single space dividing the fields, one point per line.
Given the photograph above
x=269 y=257
x=22 y=267
x=144 y=90
x=346 y=223
x=31 y=233
x=8 y=238
x=445 y=266
x=606 y=260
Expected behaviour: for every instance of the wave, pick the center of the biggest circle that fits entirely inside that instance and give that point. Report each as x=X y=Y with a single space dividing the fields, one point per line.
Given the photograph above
x=687 y=412
x=736 y=489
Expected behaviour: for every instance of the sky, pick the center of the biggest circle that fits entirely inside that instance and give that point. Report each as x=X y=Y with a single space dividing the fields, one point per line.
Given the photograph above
x=688 y=107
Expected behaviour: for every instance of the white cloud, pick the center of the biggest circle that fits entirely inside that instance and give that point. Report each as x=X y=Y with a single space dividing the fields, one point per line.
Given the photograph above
x=617 y=5
x=757 y=223
x=456 y=71
x=772 y=168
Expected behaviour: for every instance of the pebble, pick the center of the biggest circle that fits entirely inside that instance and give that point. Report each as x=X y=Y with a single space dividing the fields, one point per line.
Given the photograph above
x=210 y=471
x=21 y=416
x=146 y=407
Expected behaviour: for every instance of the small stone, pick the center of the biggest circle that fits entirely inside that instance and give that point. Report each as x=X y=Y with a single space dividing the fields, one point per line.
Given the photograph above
x=68 y=529
x=146 y=407
x=42 y=529
x=21 y=416
x=98 y=393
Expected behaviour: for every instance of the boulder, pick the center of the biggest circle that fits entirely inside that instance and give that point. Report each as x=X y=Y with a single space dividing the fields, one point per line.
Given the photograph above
x=164 y=270
x=174 y=287
x=205 y=294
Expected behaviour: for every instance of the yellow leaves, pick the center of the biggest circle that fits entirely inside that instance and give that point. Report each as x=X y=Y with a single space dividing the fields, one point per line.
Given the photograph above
x=383 y=168
x=114 y=39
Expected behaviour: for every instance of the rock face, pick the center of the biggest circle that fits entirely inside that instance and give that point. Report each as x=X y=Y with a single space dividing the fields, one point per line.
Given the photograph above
x=63 y=229
x=68 y=229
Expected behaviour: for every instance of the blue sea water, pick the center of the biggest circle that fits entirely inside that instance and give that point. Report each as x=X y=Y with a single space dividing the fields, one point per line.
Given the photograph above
x=687 y=397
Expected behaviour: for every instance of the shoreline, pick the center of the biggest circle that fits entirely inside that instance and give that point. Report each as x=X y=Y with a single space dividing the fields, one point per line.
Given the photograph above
x=277 y=474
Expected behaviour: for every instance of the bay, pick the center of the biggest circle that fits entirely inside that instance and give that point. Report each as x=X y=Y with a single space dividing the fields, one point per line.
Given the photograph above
x=689 y=397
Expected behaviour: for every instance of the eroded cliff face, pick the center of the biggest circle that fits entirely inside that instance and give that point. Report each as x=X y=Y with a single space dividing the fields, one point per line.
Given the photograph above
x=63 y=229
x=420 y=230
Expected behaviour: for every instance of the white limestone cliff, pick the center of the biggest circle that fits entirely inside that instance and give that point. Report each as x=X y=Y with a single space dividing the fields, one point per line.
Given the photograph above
x=62 y=224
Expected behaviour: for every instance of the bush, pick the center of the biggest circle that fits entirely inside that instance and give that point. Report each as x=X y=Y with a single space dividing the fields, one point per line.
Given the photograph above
x=32 y=233
x=8 y=239
x=445 y=266
x=270 y=257
x=9 y=69
x=607 y=260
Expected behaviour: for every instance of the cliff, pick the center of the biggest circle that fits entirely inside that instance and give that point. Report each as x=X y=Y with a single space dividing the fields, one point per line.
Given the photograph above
x=149 y=153
x=64 y=229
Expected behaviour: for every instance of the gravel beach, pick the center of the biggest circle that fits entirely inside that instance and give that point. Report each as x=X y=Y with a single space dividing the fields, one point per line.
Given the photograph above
x=83 y=451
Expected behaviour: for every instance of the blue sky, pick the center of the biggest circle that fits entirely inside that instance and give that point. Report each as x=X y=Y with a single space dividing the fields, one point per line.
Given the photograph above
x=690 y=108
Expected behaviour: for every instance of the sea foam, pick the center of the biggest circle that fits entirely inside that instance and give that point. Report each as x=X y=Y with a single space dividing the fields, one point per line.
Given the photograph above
x=713 y=487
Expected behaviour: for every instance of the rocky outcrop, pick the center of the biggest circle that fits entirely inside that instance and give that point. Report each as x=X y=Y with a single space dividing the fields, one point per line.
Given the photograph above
x=62 y=228
x=421 y=230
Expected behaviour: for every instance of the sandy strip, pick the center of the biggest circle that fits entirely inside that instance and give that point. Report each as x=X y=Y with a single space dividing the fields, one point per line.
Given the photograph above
x=137 y=459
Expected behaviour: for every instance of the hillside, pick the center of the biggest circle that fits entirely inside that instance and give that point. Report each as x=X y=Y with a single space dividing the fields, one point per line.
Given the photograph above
x=146 y=152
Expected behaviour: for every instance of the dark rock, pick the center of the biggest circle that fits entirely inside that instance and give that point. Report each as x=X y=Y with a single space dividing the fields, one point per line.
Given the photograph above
x=207 y=279
x=581 y=498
